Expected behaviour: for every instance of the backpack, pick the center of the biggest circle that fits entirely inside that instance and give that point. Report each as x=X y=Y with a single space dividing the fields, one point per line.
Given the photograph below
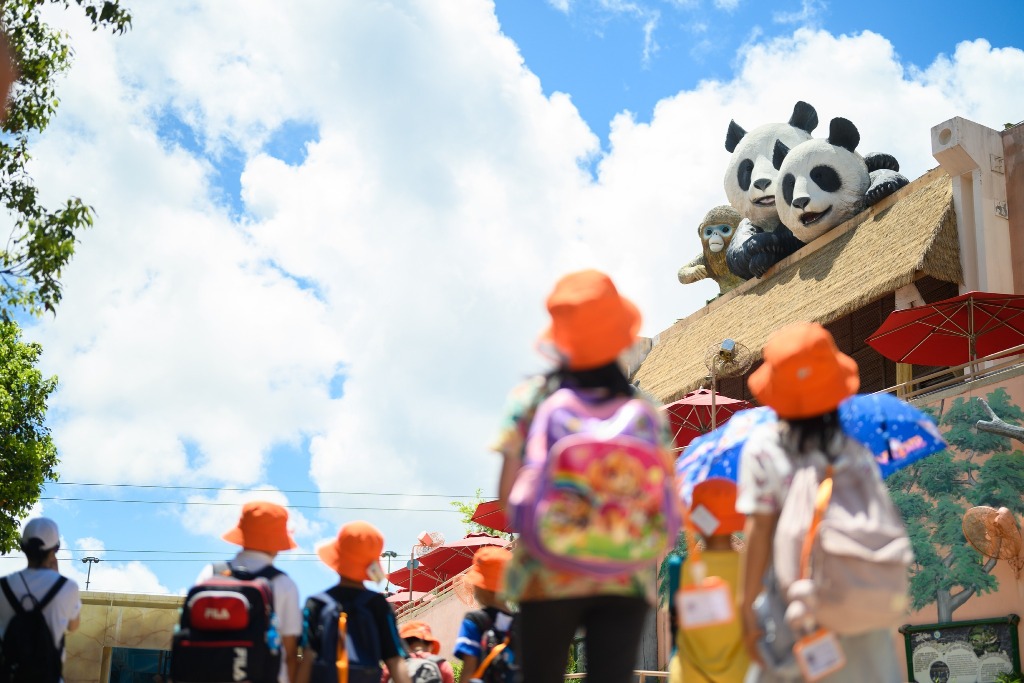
x=595 y=494
x=841 y=552
x=497 y=651
x=29 y=653
x=228 y=629
x=349 y=649
x=423 y=669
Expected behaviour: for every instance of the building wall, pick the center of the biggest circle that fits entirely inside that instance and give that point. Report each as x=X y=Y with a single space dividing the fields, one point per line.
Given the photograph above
x=117 y=620
x=1013 y=166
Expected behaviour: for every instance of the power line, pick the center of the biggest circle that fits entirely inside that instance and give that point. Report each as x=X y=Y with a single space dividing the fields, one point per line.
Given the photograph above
x=249 y=490
x=235 y=504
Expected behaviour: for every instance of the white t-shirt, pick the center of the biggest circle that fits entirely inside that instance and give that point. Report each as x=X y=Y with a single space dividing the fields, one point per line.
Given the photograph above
x=64 y=607
x=766 y=469
x=286 y=596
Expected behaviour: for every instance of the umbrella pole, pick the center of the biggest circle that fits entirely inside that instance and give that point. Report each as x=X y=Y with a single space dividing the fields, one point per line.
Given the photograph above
x=714 y=393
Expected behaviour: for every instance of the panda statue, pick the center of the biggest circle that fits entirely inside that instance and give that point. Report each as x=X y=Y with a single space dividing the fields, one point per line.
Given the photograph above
x=826 y=182
x=751 y=184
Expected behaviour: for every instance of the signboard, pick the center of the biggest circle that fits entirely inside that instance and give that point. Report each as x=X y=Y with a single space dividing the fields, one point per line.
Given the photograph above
x=963 y=651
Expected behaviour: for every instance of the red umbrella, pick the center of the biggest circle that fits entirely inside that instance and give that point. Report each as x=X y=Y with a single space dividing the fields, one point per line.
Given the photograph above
x=953 y=331
x=406 y=596
x=422 y=579
x=451 y=558
x=491 y=514
x=690 y=416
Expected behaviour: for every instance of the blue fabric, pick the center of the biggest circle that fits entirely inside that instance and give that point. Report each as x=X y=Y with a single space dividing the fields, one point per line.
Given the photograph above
x=467 y=643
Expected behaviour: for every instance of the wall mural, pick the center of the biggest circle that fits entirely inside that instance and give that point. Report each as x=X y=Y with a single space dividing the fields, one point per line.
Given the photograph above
x=788 y=189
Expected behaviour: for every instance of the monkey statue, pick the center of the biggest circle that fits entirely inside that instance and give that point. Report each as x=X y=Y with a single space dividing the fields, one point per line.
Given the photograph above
x=715 y=231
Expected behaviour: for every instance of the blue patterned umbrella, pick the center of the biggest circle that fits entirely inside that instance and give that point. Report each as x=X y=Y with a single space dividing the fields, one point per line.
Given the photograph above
x=897 y=433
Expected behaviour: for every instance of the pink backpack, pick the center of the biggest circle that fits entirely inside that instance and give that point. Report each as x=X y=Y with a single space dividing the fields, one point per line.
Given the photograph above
x=841 y=552
x=595 y=493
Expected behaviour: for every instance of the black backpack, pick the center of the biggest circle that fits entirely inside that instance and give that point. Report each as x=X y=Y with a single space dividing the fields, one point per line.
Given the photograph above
x=346 y=632
x=502 y=667
x=29 y=653
x=228 y=630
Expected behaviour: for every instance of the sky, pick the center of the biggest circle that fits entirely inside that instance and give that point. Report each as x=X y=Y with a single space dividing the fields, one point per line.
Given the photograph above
x=325 y=231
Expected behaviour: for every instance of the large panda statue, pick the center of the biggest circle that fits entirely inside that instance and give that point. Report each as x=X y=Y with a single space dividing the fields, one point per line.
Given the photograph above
x=826 y=182
x=751 y=187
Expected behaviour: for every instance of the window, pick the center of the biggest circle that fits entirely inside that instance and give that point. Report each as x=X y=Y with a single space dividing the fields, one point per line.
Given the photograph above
x=131 y=665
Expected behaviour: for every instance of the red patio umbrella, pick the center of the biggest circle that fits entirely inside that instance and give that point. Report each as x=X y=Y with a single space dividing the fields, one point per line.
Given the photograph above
x=952 y=331
x=422 y=579
x=491 y=514
x=456 y=556
x=690 y=416
x=406 y=596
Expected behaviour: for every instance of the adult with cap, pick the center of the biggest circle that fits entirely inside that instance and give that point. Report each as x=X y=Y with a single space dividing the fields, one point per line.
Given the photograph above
x=485 y=578
x=714 y=653
x=592 y=324
x=262 y=531
x=420 y=643
x=804 y=378
x=370 y=623
x=41 y=583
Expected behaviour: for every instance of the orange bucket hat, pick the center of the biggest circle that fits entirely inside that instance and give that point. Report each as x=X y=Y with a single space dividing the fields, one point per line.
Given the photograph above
x=263 y=526
x=421 y=631
x=488 y=568
x=355 y=553
x=804 y=374
x=717 y=496
x=591 y=323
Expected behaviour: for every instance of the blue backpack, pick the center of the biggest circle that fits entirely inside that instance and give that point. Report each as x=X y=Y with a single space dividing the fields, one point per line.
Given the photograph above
x=348 y=649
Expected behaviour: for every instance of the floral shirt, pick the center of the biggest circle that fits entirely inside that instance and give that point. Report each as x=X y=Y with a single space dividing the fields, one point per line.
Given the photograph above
x=526 y=577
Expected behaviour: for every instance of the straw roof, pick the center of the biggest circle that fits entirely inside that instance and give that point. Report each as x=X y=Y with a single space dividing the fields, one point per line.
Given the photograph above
x=886 y=247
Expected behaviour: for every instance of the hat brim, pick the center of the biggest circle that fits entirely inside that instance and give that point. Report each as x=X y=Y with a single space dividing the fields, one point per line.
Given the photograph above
x=547 y=347
x=840 y=384
x=268 y=545
x=330 y=555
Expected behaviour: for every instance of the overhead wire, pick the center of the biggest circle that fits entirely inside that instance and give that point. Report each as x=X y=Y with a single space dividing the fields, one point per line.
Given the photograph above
x=258 y=490
x=235 y=504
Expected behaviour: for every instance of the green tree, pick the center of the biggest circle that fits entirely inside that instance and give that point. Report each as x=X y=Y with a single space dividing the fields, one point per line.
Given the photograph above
x=42 y=240
x=934 y=493
x=466 y=511
x=27 y=454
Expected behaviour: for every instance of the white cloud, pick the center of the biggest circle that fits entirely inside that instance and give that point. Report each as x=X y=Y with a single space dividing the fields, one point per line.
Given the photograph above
x=443 y=197
x=727 y=5
x=807 y=15
x=214 y=515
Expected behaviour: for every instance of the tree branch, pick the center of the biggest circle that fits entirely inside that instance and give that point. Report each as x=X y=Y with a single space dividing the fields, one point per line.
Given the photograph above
x=998 y=426
x=963 y=596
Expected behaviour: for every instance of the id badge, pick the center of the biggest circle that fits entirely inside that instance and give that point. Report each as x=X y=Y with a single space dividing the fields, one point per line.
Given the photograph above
x=708 y=603
x=819 y=655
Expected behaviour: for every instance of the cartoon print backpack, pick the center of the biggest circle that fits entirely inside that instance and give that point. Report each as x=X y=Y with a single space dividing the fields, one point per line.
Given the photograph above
x=349 y=649
x=29 y=654
x=423 y=669
x=228 y=630
x=595 y=494
x=497 y=651
x=841 y=552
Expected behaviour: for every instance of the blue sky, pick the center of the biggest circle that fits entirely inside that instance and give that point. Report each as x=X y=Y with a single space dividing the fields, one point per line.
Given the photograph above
x=323 y=238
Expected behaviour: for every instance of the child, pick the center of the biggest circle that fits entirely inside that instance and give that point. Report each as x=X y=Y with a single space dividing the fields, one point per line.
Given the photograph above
x=493 y=621
x=370 y=623
x=420 y=643
x=714 y=654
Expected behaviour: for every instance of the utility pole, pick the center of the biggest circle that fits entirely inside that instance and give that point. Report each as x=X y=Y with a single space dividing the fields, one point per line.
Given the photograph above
x=88 y=574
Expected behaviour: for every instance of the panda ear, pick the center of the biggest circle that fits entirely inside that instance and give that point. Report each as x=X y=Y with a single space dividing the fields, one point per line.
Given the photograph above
x=842 y=133
x=804 y=117
x=733 y=137
x=779 y=154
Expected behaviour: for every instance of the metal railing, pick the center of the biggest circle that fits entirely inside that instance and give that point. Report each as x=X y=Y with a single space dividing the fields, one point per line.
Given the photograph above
x=956 y=375
x=641 y=676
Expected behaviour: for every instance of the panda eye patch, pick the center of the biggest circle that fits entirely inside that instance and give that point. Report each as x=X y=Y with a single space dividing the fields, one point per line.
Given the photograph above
x=788 y=183
x=826 y=178
x=743 y=174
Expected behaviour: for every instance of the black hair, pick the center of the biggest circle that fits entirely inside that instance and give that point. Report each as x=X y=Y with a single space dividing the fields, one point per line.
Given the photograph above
x=609 y=377
x=819 y=433
x=33 y=549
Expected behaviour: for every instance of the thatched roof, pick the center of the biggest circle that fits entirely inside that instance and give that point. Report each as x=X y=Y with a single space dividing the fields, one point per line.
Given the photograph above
x=910 y=234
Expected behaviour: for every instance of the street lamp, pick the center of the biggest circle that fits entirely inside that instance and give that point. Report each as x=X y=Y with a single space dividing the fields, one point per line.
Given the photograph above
x=388 y=554
x=88 y=574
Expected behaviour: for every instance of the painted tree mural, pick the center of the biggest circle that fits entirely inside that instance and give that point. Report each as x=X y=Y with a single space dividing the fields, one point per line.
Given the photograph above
x=932 y=495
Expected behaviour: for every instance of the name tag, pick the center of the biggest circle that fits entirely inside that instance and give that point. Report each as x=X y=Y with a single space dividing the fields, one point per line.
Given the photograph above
x=819 y=655
x=708 y=603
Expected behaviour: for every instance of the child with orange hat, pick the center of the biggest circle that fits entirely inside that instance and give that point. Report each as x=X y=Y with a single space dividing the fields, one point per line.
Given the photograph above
x=804 y=378
x=482 y=629
x=420 y=643
x=592 y=325
x=262 y=531
x=714 y=654
x=370 y=633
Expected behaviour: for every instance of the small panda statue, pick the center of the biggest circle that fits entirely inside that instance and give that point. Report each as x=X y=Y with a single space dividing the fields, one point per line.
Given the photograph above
x=716 y=231
x=751 y=187
x=826 y=182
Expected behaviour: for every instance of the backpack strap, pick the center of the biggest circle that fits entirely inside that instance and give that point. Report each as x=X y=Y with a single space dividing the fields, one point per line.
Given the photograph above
x=270 y=572
x=9 y=594
x=223 y=569
x=52 y=593
x=497 y=650
x=481 y=620
x=820 y=504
